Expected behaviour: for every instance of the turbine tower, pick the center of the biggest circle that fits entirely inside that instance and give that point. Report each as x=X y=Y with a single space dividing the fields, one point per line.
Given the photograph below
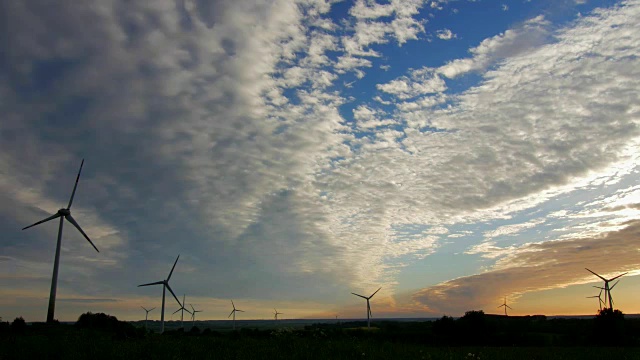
x=607 y=289
x=182 y=309
x=64 y=213
x=368 y=306
x=233 y=312
x=505 y=306
x=276 y=313
x=193 y=315
x=165 y=286
x=146 y=316
x=605 y=295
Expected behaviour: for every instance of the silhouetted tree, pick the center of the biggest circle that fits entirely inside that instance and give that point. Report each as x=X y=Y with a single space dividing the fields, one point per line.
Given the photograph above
x=444 y=329
x=609 y=326
x=18 y=325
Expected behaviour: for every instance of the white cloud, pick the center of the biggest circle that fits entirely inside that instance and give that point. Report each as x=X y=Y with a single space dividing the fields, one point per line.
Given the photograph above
x=513 y=42
x=445 y=34
x=421 y=82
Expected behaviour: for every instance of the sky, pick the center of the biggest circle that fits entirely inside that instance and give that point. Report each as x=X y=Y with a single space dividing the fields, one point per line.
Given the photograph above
x=452 y=152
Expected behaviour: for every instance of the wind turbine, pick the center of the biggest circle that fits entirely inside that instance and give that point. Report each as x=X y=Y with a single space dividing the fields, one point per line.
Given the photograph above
x=276 y=313
x=64 y=213
x=182 y=313
x=146 y=316
x=193 y=315
x=505 y=306
x=233 y=312
x=599 y=296
x=165 y=286
x=605 y=294
x=607 y=289
x=368 y=306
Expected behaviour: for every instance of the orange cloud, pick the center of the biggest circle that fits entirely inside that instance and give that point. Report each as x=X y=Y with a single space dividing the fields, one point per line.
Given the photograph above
x=538 y=266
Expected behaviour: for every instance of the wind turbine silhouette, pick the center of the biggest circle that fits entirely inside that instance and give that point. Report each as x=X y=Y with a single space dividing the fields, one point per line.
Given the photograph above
x=165 y=286
x=233 y=312
x=369 y=315
x=276 y=313
x=599 y=296
x=182 y=313
x=505 y=306
x=605 y=294
x=146 y=316
x=607 y=289
x=193 y=315
x=64 y=213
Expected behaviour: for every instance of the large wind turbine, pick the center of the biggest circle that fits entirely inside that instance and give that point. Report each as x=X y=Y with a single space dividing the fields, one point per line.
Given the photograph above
x=182 y=309
x=193 y=315
x=607 y=289
x=605 y=294
x=165 y=285
x=505 y=306
x=276 y=313
x=233 y=312
x=64 y=213
x=146 y=316
x=368 y=306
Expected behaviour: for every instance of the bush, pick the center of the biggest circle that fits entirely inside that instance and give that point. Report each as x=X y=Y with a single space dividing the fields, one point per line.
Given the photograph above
x=108 y=323
x=18 y=325
x=609 y=327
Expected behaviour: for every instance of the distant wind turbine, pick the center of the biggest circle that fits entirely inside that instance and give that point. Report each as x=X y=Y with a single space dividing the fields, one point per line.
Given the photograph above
x=505 y=306
x=599 y=296
x=165 y=285
x=146 y=316
x=62 y=214
x=276 y=313
x=607 y=289
x=369 y=315
x=193 y=315
x=182 y=310
x=233 y=312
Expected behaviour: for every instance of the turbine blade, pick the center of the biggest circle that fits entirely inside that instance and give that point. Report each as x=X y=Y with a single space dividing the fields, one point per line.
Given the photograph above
x=172 y=293
x=614 y=285
x=144 y=308
x=240 y=310
x=176 y=311
x=151 y=309
x=364 y=297
x=603 y=279
x=192 y=307
x=231 y=313
x=618 y=276
x=174 y=266
x=76 y=185
x=374 y=293
x=234 y=305
x=508 y=306
x=153 y=283
x=42 y=221
x=74 y=223
x=188 y=311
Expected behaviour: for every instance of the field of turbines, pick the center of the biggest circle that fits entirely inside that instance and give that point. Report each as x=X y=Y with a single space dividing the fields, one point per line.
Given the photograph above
x=475 y=335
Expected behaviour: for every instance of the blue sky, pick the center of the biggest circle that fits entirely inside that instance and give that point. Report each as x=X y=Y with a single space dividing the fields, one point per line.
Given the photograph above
x=453 y=152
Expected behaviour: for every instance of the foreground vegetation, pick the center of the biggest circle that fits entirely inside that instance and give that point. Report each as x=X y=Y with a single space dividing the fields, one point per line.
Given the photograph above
x=474 y=336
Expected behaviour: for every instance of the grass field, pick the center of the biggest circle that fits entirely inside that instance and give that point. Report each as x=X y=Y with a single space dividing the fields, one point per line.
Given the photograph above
x=90 y=345
x=474 y=336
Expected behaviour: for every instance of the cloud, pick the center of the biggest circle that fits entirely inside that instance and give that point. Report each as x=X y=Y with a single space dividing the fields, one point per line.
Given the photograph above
x=531 y=34
x=422 y=82
x=445 y=34
x=535 y=267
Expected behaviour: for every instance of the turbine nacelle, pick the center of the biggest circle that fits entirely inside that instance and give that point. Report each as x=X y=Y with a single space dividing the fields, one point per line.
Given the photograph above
x=64 y=212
